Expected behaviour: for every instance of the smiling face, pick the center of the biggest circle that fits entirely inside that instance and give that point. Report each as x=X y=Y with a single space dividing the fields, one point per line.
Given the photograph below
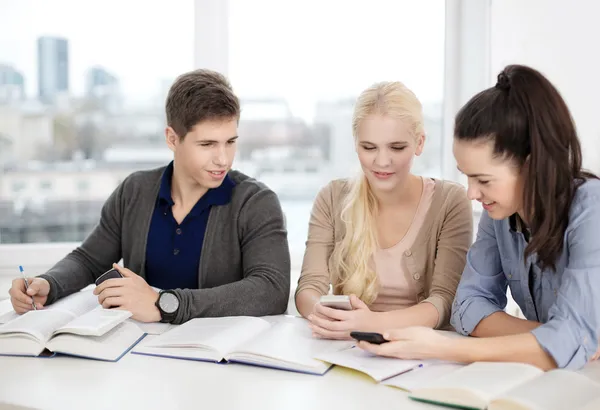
x=206 y=152
x=494 y=181
x=386 y=149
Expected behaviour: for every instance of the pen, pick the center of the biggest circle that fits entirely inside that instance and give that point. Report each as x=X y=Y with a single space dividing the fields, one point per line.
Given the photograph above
x=27 y=286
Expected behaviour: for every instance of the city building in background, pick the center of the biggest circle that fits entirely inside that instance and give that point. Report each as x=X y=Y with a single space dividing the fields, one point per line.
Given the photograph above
x=12 y=85
x=53 y=68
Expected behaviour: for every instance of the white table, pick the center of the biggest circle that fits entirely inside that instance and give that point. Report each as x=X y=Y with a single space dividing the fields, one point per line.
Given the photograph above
x=141 y=382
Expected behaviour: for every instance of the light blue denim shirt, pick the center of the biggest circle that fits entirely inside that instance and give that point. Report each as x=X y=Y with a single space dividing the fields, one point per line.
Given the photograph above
x=566 y=302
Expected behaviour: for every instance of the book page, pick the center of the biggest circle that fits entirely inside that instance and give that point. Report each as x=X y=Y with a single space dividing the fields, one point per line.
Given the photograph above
x=96 y=322
x=37 y=323
x=378 y=367
x=288 y=343
x=76 y=304
x=110 y=346
x=482 y=379
x=153 y=328
x=554 y=390
x=421 y=376
x=7 y=313
x=218 y=334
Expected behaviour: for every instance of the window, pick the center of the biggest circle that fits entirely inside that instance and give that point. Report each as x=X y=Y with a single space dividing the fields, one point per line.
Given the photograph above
x=81 y=89
x=298 y=68
x=90 y=101
x=18 y=186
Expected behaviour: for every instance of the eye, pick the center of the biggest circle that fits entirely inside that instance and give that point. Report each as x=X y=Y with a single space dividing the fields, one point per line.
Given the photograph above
x=398 y=148
x=368 y=148
x=483 y=182
x=231 y=142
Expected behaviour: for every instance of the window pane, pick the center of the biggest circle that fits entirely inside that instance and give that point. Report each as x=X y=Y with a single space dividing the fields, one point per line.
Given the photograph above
x=82 y=92
x=299 y=66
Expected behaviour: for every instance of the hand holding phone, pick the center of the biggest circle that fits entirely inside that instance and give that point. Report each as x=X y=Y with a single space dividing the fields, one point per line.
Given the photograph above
x=371 y=337
x=336 y=302
x=110 y=274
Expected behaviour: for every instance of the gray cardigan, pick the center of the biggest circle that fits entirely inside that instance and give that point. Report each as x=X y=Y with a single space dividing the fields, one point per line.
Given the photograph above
x=245 y=261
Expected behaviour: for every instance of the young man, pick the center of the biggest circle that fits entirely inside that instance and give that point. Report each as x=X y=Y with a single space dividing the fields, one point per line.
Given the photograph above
x=211 y=238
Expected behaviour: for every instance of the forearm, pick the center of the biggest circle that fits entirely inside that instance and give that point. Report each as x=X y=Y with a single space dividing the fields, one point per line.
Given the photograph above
x=521 y=348
x=252 y=296
x=503 y=324
x=423 y=314
x=68 y=276
x=306 y=300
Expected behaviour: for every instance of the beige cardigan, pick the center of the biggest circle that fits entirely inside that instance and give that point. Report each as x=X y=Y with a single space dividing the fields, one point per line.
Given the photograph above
x=436 y=259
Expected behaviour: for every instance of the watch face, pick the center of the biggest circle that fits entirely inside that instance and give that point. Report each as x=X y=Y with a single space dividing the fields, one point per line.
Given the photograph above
x=168 y=302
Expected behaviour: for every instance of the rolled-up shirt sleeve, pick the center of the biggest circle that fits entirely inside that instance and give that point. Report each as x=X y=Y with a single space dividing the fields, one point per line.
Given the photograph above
x=572 y=331
x=482 y=288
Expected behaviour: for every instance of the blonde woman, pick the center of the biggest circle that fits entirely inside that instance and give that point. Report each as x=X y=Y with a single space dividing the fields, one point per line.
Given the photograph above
x=394 y=241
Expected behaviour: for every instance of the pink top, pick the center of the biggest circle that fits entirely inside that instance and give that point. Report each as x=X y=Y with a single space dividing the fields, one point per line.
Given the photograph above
x=397 y=287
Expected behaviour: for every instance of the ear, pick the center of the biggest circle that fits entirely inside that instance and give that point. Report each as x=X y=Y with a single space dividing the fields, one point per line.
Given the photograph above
x=172 y=138
x=420 y=144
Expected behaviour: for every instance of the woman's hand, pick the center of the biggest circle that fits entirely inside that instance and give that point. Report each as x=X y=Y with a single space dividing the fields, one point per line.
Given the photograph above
x=410 y=343
x=328 y=323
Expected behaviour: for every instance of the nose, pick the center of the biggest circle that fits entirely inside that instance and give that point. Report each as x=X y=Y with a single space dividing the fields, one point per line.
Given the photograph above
x=473 y=193
x=382 y=159
x=220 y=158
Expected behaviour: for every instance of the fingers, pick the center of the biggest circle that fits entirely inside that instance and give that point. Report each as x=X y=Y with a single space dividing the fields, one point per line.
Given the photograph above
x=336 y=314
x=109 y=293
x=110 y=283
x=16 y=292
x=113 y=301
x=328 y=324
x=357 y=303
x=389 y=349
x=21 y=307
x=124 y=271
x=321 y=333
x=38 y=286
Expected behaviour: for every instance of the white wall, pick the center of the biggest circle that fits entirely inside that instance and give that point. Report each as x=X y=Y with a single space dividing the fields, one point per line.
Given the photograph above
x=557 y=37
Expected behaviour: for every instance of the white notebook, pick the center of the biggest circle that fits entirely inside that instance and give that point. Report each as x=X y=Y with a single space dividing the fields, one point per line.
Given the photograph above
x=511 y=386
x=281 y=344
x=76 y=325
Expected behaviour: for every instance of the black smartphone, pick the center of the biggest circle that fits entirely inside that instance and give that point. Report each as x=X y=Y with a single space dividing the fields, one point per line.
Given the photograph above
x=111 y=274
x=371 y=337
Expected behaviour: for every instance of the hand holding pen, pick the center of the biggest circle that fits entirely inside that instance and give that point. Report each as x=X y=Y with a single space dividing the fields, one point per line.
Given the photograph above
x=27 y=286
x=23 y=291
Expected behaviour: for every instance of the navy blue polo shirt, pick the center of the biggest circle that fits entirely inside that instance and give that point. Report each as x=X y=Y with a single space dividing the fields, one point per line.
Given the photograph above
x=173 y=250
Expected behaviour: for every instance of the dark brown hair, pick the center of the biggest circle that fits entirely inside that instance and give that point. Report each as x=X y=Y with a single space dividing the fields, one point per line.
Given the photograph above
x=529 y=123
x=198 y=96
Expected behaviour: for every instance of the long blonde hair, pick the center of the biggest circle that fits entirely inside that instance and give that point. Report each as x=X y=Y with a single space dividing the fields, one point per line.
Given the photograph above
x=352 y=270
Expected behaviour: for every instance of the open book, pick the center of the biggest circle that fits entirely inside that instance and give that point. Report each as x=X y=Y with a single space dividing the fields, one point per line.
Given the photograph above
x=285 y=343
x=377 y=367
x=76 y=325
x=512 y=386
x=382 y=369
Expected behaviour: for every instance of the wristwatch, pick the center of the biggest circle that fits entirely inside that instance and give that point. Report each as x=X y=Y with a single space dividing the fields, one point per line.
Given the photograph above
x=168 y=305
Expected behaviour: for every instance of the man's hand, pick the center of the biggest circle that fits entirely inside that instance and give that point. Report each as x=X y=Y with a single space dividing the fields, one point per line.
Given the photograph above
x=130 y=293
x=22 y=299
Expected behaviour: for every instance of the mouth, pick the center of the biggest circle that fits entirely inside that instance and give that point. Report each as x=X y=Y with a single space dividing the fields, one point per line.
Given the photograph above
x=382 y=175
x=488 y=205
x=217 y=174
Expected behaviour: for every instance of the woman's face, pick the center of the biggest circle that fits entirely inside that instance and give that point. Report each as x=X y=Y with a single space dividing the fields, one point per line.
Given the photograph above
x=386 y=149
x=494 y=181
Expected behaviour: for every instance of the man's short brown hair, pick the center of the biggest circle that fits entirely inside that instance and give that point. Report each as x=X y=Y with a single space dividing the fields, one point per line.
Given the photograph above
x=198 y=96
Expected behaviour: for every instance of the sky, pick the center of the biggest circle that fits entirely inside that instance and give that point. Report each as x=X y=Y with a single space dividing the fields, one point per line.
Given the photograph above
x=301 y=50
